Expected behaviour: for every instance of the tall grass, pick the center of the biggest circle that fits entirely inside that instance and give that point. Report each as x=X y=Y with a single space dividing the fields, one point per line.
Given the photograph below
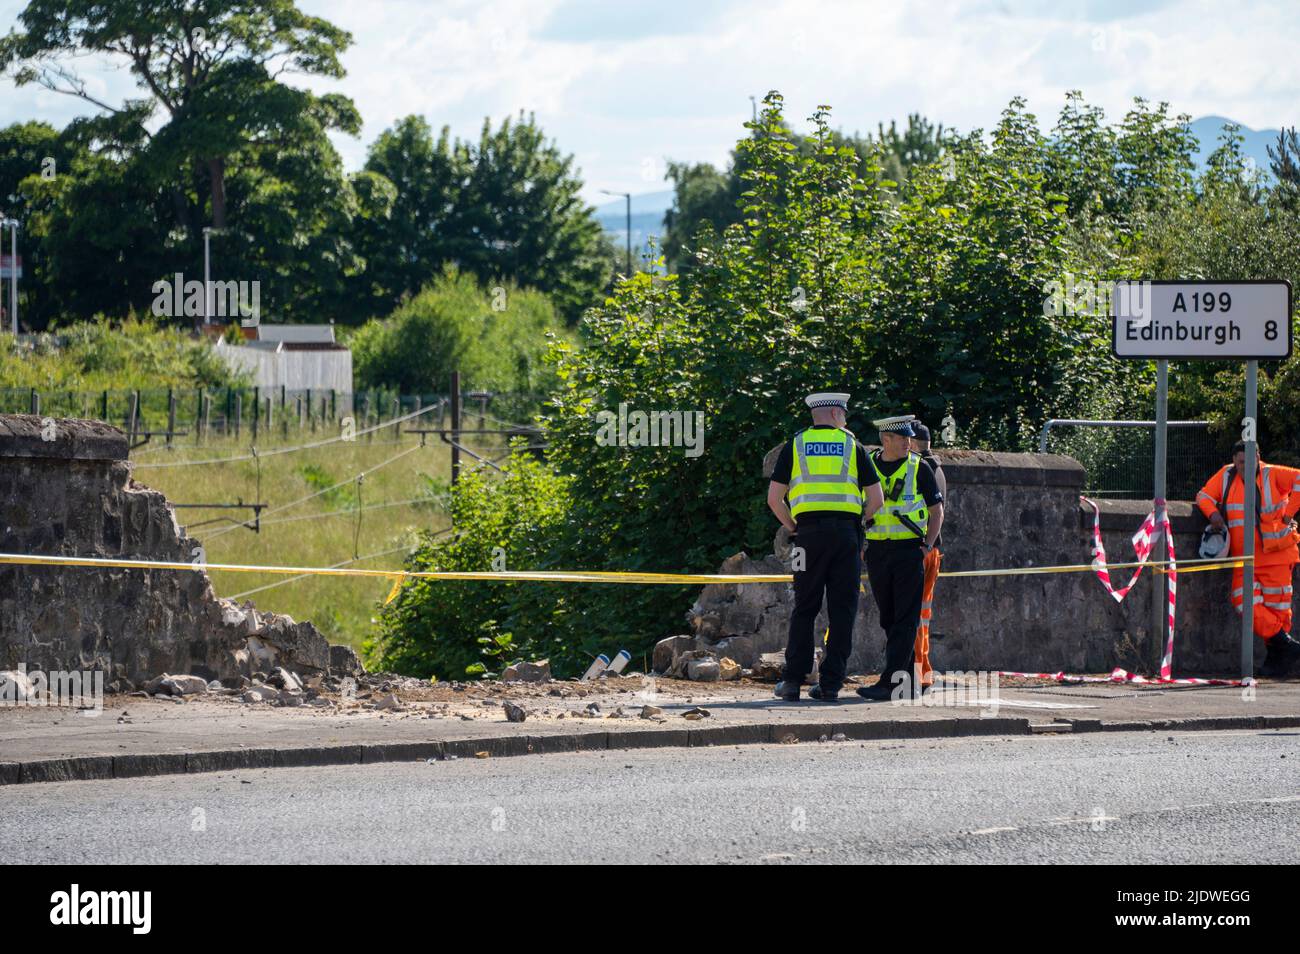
x=94 y=355
x=322 y=531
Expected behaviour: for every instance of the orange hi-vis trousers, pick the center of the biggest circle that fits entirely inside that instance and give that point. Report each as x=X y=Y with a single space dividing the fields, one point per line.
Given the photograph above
x=1272 y=598
x=921 y=664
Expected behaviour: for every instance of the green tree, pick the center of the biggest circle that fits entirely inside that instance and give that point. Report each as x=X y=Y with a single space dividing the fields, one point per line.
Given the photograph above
x=701 y=194
x=1155 y=151
x=217 y=137
x=704 y=197
x=99 y=229
x=408 y=246
x=212 y=69
x=1083 y=158
x=1284 y=162
x=1228 y=167
x=32 y=156
x=504 y=208
x=920 y=144
x=520 y=217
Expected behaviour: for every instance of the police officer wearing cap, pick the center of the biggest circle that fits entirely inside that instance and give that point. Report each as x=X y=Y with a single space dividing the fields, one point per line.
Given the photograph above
x=829 y=484
x=898 y=538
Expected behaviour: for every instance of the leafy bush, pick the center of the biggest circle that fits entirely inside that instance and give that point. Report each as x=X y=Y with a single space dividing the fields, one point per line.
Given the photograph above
x=444 y=628
x=496 y=337
x=97 y=355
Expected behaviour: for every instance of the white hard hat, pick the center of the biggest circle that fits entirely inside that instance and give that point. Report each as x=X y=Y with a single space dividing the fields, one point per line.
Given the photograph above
x=1213 y=542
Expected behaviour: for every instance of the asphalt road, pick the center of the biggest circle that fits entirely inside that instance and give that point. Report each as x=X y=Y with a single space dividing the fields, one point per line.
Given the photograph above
x=1219 y=797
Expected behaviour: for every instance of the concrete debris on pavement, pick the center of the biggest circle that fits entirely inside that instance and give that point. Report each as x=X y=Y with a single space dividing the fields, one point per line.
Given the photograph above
x=769 y=667
x=528 y=672
x=16 y=686
x=713 y=660
x=176 y=685
x=700 y=666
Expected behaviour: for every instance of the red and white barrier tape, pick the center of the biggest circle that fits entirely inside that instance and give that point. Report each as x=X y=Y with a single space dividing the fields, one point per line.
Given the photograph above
x=1124 y=676
x=1167 y=660
x=1142 y=546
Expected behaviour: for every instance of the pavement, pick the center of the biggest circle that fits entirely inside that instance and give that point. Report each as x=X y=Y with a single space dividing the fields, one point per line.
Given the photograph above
x=1110 y=797
x=135 y=736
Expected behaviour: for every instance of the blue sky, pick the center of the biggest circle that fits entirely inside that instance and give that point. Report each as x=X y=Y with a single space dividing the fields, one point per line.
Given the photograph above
x=625 y=86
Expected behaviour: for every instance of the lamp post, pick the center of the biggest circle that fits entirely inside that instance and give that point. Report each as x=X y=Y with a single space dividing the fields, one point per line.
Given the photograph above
x=12 y=225
x=628 y=197
x=207 y=276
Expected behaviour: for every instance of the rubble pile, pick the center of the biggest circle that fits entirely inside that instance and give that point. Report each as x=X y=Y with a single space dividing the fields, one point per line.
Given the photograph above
x=530 y=695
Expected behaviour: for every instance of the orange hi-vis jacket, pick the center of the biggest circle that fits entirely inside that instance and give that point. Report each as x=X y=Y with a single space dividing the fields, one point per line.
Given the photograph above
x=1278 y=496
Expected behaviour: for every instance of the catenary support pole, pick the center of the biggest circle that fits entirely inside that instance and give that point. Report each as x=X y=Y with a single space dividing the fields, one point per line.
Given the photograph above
x=455 y=427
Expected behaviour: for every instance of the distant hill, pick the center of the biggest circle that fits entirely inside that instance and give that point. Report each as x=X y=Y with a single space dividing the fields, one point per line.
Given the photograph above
x=1208 y=128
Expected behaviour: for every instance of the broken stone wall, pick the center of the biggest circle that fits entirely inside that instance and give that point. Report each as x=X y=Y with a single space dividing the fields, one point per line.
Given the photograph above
x=1009 y=510
x=67 y=490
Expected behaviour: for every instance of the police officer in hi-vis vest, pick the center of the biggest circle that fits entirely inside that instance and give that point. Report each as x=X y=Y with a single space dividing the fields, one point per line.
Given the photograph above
x=829 y=483
x=898 y=538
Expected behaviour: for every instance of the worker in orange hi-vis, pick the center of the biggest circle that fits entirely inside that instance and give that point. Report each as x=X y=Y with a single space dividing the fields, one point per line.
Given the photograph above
x=1222 y=500
x=924 y=671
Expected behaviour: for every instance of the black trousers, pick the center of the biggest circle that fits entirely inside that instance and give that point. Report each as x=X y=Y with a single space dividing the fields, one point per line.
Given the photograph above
x=897 y=577
x=832 y=569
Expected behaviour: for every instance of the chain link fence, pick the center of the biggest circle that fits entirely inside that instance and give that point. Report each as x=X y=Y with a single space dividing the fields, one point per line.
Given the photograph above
x=1119 y=456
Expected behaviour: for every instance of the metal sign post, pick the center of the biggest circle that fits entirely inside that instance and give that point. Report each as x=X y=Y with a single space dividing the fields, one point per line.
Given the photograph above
x=1248 y=536
x=1203 y=320
x=1160 y=581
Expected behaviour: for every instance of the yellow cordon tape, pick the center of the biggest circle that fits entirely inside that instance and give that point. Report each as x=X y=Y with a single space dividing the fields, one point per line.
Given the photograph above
x=550 y=576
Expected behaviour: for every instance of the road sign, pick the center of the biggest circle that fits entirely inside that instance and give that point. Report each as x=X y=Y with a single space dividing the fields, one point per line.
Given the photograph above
x=6 y=271
x=1200 y=320
x=1239 y=321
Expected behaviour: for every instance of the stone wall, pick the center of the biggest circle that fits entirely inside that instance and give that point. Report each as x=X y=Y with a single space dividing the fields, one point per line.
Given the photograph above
x=67 y=490
x=1012 y=510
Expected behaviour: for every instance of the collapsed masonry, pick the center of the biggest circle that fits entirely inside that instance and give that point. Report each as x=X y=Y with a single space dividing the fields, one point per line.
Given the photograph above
x=1003 y=510
x=66 y=490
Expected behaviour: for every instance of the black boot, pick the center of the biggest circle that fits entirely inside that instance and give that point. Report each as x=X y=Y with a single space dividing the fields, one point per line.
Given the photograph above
x=788 y=690
x=877 y=693
x=1282 y=654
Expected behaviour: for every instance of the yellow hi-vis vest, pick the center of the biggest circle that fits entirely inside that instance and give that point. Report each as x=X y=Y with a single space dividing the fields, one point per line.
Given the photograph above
x=901 y=500
x=825 y=473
